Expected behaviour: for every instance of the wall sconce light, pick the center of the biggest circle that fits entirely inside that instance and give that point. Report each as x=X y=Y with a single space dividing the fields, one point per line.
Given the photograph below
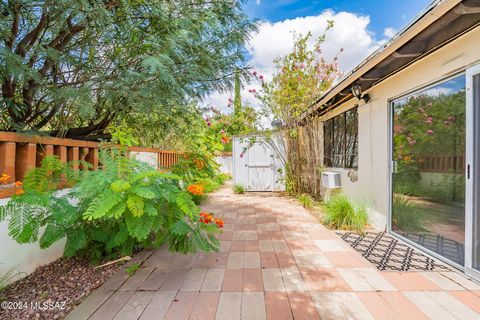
x=357 y=93
x=277 y=124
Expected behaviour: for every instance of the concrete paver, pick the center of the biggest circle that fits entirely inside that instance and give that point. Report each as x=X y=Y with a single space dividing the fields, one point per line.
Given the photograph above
x=275 y=262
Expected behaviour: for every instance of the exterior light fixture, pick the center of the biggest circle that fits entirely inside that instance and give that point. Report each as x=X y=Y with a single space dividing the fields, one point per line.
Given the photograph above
x=277 y=124
x=357 y=93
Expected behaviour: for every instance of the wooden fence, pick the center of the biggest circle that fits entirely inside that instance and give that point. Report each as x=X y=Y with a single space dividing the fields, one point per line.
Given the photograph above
x=442 y=164
x=20 y=153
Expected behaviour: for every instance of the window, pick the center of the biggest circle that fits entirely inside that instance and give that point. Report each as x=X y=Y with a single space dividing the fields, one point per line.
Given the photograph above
x=341 y=140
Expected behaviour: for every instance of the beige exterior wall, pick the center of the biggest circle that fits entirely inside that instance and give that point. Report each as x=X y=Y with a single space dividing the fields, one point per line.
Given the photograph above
x=372 y=186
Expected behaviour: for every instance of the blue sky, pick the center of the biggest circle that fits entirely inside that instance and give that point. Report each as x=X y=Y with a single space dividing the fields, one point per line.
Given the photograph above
x=383 y=13
x=360 y=27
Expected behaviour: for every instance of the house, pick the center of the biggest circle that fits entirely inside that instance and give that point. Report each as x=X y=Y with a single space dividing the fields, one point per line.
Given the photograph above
x=402 y=129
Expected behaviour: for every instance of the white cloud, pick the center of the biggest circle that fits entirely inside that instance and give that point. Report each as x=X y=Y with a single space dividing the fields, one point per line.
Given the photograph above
x=389 y=32
x=258 y=2
x=275 y=39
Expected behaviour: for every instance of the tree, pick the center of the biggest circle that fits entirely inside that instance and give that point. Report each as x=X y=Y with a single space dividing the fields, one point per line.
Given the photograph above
x=300 y=78
x=237 y=102
x=73 y=67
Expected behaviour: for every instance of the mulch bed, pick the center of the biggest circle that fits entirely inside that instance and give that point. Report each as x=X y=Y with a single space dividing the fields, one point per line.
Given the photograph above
x=389 y=254
x=51 y=288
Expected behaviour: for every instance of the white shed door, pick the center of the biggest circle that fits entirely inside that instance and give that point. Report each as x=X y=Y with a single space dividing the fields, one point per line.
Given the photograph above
x=260 y=167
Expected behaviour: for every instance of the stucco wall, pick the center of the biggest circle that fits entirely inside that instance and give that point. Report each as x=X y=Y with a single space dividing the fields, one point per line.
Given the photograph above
x=150 y=158
x=25 y=258
x=226 y=163
x=372 y=186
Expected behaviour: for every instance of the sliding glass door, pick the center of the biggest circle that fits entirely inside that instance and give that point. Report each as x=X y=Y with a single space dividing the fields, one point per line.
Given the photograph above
x=472 y=261
x=428 y=168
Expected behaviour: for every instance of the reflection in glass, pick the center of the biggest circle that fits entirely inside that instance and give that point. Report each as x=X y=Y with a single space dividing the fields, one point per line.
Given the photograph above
x=428 y=204
x=476 y=172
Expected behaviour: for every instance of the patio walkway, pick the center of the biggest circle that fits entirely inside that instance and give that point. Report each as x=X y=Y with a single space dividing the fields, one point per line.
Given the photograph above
x=276 y=262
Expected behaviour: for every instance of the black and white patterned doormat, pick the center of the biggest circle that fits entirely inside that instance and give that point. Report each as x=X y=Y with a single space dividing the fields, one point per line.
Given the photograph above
x=389 y=254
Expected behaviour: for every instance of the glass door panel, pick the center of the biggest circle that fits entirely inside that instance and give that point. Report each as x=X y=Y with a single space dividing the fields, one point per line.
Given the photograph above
x=428 y=179
x=473 y=181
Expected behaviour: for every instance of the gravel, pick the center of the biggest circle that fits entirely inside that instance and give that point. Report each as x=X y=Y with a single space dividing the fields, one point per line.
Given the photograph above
x=53 y=290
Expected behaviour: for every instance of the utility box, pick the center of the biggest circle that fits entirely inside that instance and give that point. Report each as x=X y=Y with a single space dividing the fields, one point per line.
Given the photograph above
x=331 y=180
x=331 y=184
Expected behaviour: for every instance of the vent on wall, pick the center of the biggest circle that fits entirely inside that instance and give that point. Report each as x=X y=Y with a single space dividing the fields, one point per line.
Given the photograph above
x=331 y=180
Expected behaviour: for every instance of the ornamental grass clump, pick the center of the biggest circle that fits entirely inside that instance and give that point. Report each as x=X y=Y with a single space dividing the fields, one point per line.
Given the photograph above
x=305 y=200
x=239 y=189
x=341 y=213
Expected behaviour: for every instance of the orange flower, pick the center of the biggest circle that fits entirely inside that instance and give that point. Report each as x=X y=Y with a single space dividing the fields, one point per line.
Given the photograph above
x=196 y=189
x=225 y=139
x=4 y=178
x=199 y=164
x=19 y=192
x=219 y=222
x=206 y=217
x=18 y=183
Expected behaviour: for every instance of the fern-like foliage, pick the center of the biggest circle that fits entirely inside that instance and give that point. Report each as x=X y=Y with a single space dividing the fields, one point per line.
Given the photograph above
x=102 y=204
x=108 y=212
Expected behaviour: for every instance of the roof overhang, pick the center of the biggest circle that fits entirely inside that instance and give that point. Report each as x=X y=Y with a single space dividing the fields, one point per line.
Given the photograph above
x=440 y=23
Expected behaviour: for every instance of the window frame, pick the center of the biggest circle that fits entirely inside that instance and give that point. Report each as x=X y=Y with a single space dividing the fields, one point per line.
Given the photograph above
x=331 y=143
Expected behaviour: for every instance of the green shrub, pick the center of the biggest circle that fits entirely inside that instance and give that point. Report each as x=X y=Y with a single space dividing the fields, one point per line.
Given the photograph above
x=406 y=216
x=210 y=185
x=222 y=177
x=193 y=167
x=342 y=214
x=239 y=189
x=124 y=205
x=305 y=200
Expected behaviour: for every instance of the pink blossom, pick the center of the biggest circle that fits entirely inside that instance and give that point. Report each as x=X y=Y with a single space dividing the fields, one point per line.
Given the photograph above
x=412 y=142
x=429 y=131
x=261 y=77
x=230 y=100
x=222 y=131
x=241 y=155
x=254 y=73
x=421 y=110
x=209 y=123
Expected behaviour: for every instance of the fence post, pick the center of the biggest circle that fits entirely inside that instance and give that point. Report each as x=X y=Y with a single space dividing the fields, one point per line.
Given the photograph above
x=25 y=159
x=73 y=154
x=7 y=159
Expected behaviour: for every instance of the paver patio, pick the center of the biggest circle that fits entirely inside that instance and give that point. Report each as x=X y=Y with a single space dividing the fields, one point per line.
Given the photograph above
x=276 y=262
